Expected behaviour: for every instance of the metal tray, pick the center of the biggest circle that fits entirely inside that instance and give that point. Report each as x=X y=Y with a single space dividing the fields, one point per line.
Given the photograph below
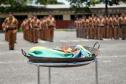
x=93 y=50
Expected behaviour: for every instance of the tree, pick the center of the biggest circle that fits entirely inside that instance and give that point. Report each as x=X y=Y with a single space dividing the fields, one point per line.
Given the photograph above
x=82 y=5
x=45 y=2
x=13 y=3
x=111 y=2
x=21 y=5
x=88 y=3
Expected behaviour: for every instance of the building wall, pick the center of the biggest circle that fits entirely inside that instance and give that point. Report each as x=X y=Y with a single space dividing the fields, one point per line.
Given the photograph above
x=66 y=17
x=66 y=21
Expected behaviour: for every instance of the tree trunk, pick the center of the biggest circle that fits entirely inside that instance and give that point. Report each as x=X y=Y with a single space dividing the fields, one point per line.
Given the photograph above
x=106 y=7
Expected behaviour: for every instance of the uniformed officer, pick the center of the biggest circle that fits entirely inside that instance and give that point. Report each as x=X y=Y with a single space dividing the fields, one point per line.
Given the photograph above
x=75 y=25
x=24 y=27
x=34 y=25
x=111 y=26
x=41 y=31
x=116 y=27
x=96 y=27
x=79 y=27
x=10 y=25
x=87 y=28
x=99 y=25
x=90 y=27
x=83 y=27
x=121 y=23
x=51 y=25
x=124 y=33
x=123 y=26
x=93 y=27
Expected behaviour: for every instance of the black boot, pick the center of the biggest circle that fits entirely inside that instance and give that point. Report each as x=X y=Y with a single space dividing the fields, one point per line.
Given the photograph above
x=11 y=48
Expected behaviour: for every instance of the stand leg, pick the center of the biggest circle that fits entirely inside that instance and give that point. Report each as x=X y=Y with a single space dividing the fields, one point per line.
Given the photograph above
x=49 y=75
x=38 y=70
x=96 y=71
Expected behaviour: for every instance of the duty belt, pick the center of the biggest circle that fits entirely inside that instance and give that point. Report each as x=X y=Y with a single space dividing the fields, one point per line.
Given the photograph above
x=116 y=25
x=11 y=28
x=122 y=25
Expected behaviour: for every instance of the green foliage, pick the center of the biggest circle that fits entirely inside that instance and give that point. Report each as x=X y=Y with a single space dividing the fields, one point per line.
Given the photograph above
x=18 y=9
x=111 y=2
x=85 y=4
x=82 y=5
x=14 y=3
x=45 y=2
x=20 y=29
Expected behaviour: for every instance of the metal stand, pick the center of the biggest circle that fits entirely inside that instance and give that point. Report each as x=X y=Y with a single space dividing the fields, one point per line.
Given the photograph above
x=49 y=71
x=49 y=75
x=38 y=74
x=94 y=51
x=96 y=71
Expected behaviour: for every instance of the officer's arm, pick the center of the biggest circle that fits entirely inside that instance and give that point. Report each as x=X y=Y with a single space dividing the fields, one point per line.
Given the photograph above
x=16 y=22
x=3 y=26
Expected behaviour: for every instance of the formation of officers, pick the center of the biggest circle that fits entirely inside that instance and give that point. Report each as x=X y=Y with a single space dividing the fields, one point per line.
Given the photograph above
x=93 y=27
x=33 y=29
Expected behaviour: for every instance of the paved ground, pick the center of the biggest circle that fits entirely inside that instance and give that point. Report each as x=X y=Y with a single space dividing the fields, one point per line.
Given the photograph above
x=14 y=68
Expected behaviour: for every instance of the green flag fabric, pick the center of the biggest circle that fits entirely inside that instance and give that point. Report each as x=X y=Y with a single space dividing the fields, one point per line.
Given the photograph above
x=52 y=53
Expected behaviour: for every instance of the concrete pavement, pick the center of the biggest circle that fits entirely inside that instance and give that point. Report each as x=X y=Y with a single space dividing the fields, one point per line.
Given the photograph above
x=14 y=68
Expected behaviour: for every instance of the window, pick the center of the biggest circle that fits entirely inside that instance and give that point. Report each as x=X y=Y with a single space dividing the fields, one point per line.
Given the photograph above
x=40 y=16
x=72 y=17
x=20 y=17
x=1 y=20
x=58 y=17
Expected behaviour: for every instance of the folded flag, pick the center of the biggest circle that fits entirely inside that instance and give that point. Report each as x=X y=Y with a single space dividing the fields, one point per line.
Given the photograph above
x=53 y=53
